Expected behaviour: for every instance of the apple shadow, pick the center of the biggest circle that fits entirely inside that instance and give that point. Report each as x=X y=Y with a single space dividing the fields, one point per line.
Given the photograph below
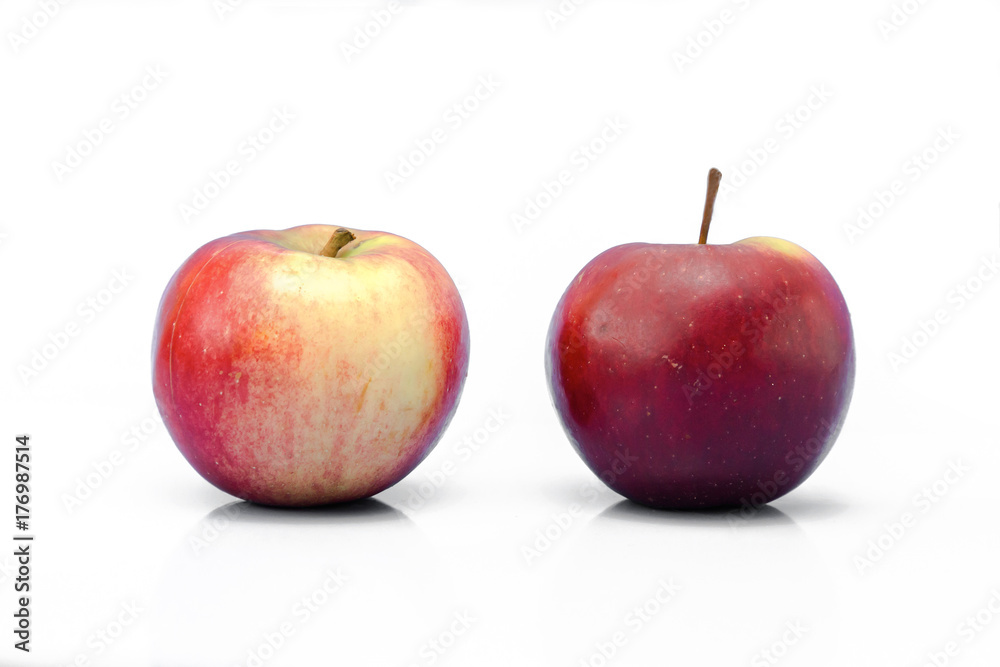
x=812 y=508
x=411 y=492
x=627 y=510
x=569 y=490
x=364 y=511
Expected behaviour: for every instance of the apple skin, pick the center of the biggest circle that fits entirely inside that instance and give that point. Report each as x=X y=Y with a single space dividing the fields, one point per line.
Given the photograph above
x=702 y=376
x=292 y=379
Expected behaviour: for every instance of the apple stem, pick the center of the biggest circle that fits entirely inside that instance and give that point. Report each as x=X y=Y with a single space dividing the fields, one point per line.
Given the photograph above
x=714 y=178
x=340 y=238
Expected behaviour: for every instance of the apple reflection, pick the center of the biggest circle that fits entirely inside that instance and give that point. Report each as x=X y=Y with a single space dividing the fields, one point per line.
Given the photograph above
x=251 y=585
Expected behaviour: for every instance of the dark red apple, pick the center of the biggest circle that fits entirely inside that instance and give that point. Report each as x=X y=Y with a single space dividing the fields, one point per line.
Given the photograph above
x=699 y=376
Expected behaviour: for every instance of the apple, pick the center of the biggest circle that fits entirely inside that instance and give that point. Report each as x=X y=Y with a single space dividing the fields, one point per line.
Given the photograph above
x=311 y=365
x=693 y=376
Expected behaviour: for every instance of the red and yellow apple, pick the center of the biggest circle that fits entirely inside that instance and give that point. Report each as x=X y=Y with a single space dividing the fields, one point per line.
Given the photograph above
x=698 y=376
x=311 y=365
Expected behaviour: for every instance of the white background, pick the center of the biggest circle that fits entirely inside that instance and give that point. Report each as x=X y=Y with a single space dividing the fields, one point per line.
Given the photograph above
x=208 y=581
